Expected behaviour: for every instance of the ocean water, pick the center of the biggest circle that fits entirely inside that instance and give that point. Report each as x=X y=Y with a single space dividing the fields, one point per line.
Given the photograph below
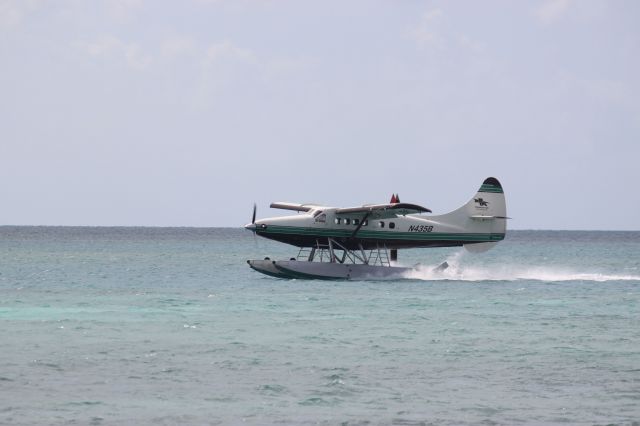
x=170 y=326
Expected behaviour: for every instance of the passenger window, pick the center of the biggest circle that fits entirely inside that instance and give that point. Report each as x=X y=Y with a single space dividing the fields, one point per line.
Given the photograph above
x=381 y=224
x=338 y=220
x=392 y=225
x=365 y=223
x=356 y=221
x=347 y=221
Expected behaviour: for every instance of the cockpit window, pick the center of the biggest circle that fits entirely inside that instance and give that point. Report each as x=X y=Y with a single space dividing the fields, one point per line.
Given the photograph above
x=322 y=218
x=316 y=213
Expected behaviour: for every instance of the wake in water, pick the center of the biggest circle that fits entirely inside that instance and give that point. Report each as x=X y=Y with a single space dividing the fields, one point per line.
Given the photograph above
x=457 y=272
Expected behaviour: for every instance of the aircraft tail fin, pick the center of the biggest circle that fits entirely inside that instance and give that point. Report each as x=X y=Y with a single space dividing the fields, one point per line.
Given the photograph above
x=488 y=202
x=484 y=213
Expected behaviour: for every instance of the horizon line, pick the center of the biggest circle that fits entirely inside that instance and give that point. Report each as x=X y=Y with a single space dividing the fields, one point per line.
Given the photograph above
x=241 y=227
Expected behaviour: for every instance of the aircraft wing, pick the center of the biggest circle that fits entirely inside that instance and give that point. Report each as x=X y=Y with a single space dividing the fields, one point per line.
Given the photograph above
x=383 y=211
x=293 y=206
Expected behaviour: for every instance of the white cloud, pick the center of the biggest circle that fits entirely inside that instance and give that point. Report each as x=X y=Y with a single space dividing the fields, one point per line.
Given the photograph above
x=135 y=57
x=111 y=47
x=431 y=32
x=10 y=14
x=103 y=46
x=473 y=45
x=177 y=46
x=425 y=33
x=13 y=12
x=604 y=91
x=222 y=54
x=552 y=10
x=220 y=64
x=284 y=66
x=228 y=50
x=432 y=14
x=124 y=10
x=229 y=54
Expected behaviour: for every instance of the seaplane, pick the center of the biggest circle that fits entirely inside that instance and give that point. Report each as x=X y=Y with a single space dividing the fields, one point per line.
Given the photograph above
x=361 y=243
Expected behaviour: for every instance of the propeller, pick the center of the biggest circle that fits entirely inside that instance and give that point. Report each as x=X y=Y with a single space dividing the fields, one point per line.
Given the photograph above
x=252 y=226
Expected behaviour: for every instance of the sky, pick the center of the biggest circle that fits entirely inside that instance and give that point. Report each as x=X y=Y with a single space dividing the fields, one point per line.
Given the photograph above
x=165 y=113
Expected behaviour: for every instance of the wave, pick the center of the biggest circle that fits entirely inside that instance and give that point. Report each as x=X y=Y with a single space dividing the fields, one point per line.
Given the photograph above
x=458 y=272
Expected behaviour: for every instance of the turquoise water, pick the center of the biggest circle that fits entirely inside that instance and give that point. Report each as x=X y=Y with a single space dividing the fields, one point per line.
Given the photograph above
x=170 y=326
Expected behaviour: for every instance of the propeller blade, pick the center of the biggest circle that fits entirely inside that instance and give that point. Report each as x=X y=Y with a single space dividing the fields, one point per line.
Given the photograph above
x=253 y=218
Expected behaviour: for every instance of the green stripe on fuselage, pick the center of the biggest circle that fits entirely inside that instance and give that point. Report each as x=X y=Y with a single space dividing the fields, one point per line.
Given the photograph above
x=382 y=235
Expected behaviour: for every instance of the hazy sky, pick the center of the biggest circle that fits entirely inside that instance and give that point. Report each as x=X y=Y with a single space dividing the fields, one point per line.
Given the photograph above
x=183 y=113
